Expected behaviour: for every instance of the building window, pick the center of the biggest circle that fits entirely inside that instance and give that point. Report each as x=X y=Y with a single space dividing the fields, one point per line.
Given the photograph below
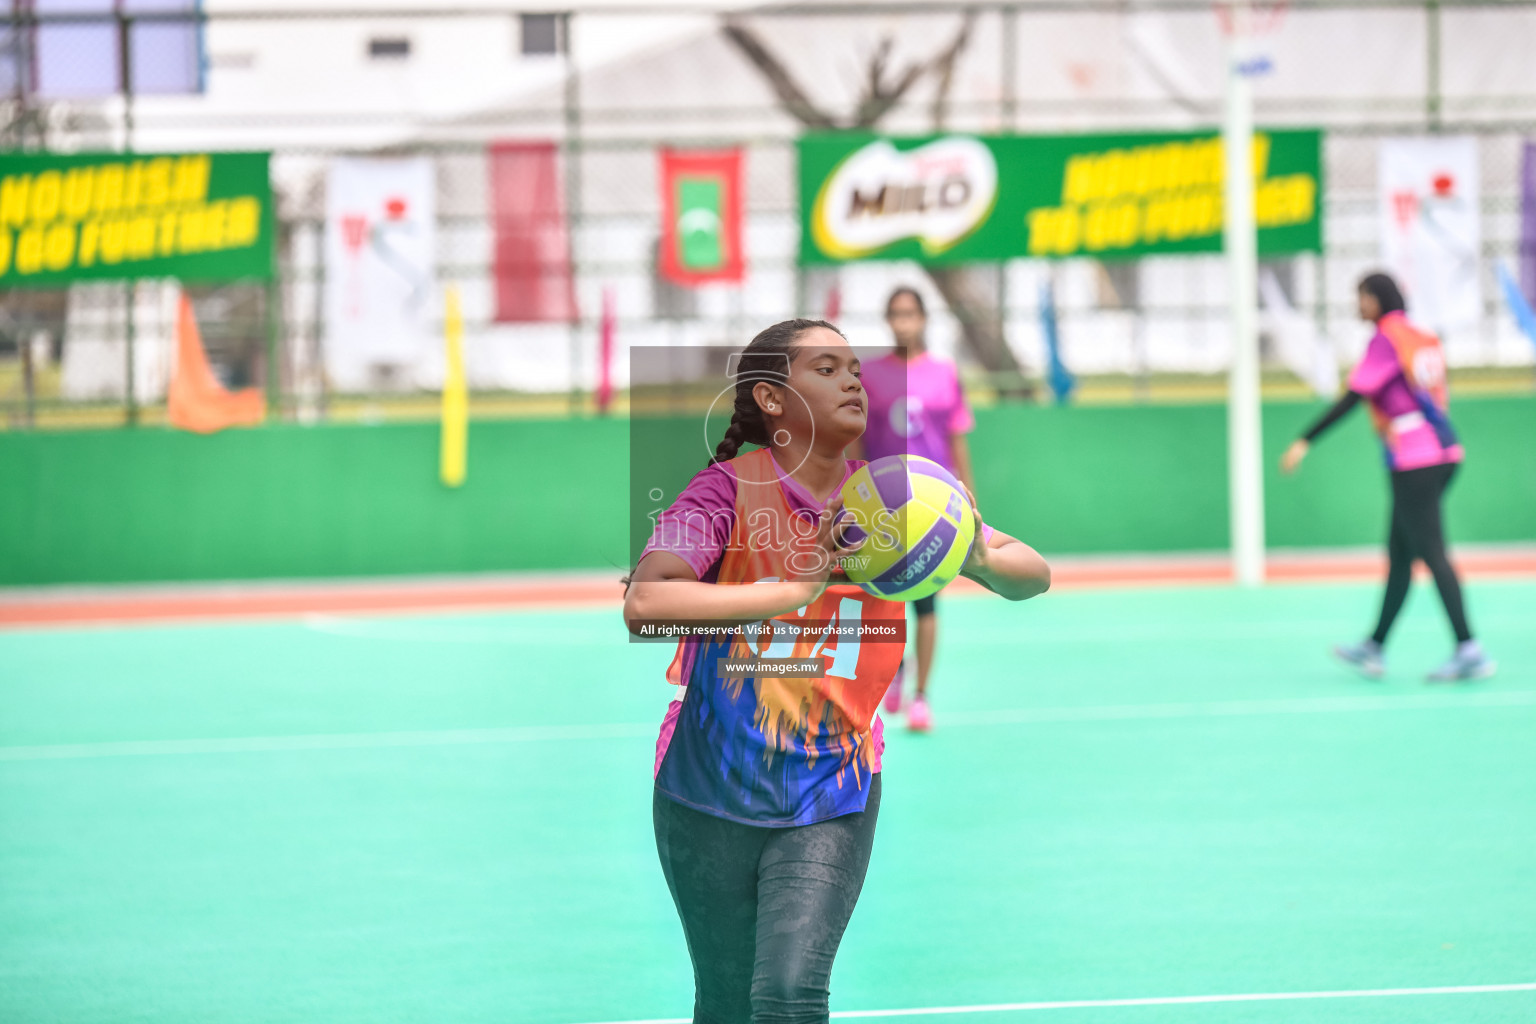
x=389 y=48
x=541 y=34
x=233 y=60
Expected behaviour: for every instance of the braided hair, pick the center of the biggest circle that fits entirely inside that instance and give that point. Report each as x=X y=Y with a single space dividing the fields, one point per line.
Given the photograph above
x=765 y=360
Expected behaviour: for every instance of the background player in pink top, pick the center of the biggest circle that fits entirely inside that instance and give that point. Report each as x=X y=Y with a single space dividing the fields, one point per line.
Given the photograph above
x=917 y=407
x=1402 y=377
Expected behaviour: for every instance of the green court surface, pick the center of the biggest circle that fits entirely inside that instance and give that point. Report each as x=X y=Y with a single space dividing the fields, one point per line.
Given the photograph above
x=1130 y=794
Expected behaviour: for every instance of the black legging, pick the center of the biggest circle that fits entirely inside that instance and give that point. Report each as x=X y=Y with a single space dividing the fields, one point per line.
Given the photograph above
x=1416 y=532
x=763 y=909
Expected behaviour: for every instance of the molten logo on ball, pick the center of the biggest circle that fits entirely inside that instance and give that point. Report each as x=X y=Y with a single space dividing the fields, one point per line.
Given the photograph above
x=926 y=526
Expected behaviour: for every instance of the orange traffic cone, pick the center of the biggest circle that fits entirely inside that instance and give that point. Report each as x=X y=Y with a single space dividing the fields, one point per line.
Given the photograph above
x=197 y=400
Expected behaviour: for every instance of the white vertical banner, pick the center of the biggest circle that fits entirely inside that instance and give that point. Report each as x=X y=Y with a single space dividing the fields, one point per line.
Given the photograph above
x=380 y=226
x=1430 y=229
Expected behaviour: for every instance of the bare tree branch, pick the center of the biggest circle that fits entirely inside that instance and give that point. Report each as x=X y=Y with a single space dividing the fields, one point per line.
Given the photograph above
x=944 y=67
x=1154 y=65
x=878 y=97
x=981 y=323
x=877 y=63
x=794 y=100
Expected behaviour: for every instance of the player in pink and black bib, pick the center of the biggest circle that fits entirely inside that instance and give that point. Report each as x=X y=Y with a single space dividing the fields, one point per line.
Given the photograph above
x=767 y=783
x=1402 y=377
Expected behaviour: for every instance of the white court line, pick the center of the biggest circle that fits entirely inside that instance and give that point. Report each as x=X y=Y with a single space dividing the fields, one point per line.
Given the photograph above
x=331 y=741
x=1077 y=1004
x=1243 y=708
x=629 y=730
x=498 y=630
x=1035 y=633
x=408 y=630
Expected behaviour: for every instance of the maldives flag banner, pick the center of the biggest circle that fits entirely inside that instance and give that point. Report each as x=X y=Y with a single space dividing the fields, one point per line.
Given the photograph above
x=531 y=264
x=701 y=216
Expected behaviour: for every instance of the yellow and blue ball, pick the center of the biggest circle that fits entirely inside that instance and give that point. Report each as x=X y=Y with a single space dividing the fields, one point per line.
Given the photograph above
x=916 y=524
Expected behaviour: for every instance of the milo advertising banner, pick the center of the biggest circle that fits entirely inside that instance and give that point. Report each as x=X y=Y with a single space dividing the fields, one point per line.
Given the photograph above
x=957 y=198
x=193 y=216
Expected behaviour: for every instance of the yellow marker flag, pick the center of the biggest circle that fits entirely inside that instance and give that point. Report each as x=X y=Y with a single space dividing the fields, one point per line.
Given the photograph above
x=454 y=457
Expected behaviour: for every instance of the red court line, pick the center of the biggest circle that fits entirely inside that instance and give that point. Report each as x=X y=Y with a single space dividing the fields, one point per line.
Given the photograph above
x=269 y=601
x=1285 y=568
x=161 y=606
x=1473 y=564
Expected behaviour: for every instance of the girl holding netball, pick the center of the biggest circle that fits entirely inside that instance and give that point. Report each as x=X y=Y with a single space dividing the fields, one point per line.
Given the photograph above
x=1402 y=377
x=768 y=786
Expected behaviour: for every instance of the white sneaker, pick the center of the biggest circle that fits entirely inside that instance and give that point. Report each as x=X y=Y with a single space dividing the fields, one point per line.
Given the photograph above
x=1364 y=657
x=1468 y=663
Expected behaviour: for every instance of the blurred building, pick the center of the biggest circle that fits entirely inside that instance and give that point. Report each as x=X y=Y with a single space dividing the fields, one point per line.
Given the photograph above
x=610 y=84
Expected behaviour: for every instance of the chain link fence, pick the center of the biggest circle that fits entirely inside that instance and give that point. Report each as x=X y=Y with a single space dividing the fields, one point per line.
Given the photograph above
x=611 y=85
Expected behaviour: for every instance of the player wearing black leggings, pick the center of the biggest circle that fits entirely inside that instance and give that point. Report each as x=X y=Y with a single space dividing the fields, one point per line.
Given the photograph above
x=768 y=775
x=1402 y=376
x=763 y=909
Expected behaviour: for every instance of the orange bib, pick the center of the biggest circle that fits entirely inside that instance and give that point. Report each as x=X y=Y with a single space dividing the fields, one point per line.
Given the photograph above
x=787 y=745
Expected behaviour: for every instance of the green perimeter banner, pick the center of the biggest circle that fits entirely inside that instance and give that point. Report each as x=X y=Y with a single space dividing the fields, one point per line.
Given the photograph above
x=193 y=216
x=956 y=198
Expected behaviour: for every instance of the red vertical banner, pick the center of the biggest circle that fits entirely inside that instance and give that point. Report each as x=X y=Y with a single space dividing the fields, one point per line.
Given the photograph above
x=532 y=259
x=701 y=204
x=605 y=339
x=834 y=304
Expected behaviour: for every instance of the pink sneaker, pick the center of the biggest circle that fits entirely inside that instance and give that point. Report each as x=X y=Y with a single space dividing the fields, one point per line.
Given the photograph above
x=918 y=717
x=893 y=692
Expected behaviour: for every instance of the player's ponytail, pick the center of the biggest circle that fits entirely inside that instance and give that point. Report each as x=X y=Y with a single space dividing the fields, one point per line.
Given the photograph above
x=735 y=436
x=766 y=359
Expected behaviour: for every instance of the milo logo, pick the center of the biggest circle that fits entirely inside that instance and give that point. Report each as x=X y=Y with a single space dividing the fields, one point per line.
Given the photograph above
x=937 y=193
